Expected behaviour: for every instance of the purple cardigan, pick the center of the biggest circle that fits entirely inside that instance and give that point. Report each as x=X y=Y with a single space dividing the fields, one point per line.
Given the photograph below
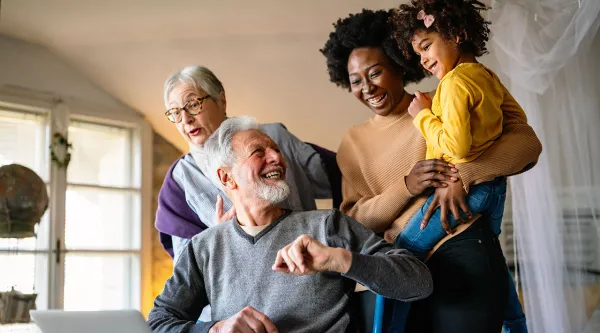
x=174 y=217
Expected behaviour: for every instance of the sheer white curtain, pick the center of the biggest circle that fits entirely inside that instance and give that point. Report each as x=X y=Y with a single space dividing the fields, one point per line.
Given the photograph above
x=544 y=48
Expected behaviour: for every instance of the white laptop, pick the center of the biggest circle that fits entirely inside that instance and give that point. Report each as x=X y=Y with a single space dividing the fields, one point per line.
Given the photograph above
x=119 y=321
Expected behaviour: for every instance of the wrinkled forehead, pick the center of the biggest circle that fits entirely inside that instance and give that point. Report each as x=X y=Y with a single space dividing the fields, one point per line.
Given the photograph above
x=244 y=141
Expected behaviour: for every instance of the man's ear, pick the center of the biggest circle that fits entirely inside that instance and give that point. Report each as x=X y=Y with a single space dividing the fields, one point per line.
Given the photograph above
x=224 y=175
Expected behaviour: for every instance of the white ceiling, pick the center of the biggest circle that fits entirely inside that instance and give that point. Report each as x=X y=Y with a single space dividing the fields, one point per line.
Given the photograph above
x=264 y=51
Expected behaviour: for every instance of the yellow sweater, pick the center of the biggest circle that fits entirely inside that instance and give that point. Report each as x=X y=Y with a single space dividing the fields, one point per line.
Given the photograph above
x=375 y=156
x=465 y=117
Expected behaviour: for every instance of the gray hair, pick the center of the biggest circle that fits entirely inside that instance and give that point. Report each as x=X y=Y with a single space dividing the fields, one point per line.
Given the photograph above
x=219 y=146
x=198 y=77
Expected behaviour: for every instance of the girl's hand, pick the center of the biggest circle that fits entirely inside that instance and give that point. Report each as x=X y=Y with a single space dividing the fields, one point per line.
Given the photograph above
x=452 y=198
x=420 y=102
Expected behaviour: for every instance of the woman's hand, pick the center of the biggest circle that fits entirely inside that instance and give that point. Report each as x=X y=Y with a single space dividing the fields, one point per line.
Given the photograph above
x=221 y=216
x=419 y=103
x=451 y=197
x=430 y=173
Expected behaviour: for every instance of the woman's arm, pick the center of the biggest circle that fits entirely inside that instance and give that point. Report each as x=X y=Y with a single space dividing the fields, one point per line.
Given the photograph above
x=174 y=217
x=377 y=212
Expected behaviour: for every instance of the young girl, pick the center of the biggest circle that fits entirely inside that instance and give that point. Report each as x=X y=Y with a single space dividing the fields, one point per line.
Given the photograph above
x=462 y=120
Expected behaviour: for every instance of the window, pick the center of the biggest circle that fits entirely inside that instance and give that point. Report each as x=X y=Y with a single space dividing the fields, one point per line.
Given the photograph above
x=102 y=227
x=87 y=253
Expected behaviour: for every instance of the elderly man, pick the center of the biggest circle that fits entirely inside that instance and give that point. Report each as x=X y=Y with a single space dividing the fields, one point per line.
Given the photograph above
x=271 y=269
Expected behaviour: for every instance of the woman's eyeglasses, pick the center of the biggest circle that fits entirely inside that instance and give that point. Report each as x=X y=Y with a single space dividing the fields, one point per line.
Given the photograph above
x=193 y=107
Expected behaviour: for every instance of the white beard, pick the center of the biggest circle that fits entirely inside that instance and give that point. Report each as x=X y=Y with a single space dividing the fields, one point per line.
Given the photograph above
x=275 y=193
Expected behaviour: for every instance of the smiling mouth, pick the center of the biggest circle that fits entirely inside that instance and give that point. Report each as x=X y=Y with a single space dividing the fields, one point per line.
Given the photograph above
x=377 y=101
x=195 y=131
x=431 y=68
x=274 y=174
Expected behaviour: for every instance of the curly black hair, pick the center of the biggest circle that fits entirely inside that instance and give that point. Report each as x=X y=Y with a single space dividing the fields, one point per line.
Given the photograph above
x=365 y=29
x=452 y=18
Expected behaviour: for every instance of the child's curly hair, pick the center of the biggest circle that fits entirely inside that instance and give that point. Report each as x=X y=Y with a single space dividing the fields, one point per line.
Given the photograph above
x=452 y=18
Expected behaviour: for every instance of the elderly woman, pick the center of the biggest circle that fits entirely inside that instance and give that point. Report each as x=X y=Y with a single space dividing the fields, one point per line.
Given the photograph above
x=188 y=201
x=385 y=179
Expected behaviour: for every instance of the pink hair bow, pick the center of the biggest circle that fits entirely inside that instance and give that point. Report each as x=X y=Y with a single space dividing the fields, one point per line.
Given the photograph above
x=427 y=19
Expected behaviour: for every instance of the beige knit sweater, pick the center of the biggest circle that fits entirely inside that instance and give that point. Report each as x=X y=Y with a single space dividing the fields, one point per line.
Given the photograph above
x=375 y=157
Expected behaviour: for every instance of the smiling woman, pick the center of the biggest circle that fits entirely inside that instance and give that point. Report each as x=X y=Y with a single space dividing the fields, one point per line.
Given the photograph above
x=374 y=80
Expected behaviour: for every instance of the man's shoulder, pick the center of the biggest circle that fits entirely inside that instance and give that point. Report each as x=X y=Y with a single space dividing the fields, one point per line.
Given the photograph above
x=209 y=235
x=307 y=214
x=317 y=215
x=323 y=221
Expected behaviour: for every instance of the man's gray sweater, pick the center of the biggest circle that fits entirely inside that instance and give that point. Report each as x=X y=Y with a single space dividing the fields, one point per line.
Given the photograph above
x=229 y=269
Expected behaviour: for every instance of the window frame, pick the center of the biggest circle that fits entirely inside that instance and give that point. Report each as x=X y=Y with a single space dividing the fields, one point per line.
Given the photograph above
x=60 y=113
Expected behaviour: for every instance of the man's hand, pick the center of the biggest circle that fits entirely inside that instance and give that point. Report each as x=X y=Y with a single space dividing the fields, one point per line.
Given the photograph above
x=306 y=256
x=220 y=216
x=430 y=173
x=420 y=102
x=452 y=197
x=248 y=320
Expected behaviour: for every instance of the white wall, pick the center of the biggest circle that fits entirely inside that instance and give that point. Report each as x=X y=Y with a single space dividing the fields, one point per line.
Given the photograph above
x=32 y=68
